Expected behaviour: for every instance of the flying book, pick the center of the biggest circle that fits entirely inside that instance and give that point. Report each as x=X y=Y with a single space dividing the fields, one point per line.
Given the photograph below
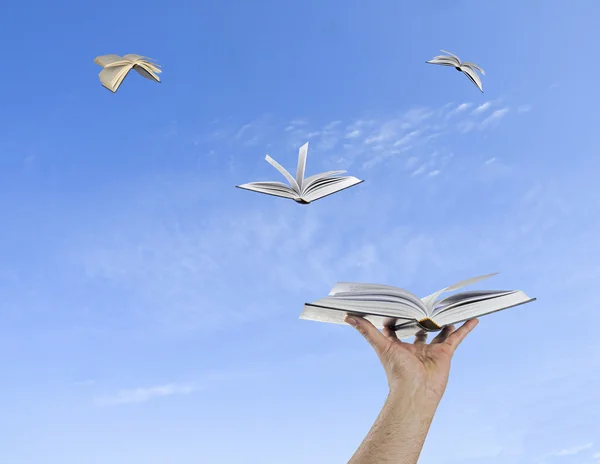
x=406 y=313
x=300 y=189
x=116 y=69
x=467 y=68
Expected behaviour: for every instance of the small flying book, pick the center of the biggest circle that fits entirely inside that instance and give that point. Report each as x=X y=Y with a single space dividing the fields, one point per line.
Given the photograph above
x=467 y=68
x=407 y=314
x=116 y=69
x=302 y=190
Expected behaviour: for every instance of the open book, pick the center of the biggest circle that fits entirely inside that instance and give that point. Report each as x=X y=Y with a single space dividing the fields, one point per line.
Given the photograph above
x=406 y=313
x=300 y=189
x=116 y=69
x=467 y=68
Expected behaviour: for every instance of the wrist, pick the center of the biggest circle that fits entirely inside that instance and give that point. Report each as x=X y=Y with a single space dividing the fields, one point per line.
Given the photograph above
x=412 y=406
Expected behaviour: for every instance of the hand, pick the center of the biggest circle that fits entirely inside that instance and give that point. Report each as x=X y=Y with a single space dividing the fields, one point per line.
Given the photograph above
x=416 y=371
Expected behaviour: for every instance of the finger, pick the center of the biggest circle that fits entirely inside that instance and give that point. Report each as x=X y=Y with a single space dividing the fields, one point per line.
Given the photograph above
x=420 y=337
x=375 y=338
x=459 y=335
x=443 y=335
x=390 y=333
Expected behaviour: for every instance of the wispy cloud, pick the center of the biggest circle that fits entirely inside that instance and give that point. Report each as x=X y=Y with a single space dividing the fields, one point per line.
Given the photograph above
x=573 y=450
x=494 y=118
x=142 y=395
x=85 y=383
x=459 y=109
x=524 y=109
x=483 y=107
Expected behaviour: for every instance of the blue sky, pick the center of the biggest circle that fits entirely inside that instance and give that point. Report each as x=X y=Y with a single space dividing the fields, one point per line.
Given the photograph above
x=149 y=310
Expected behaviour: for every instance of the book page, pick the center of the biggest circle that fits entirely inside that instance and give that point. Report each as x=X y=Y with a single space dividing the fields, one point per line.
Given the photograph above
x=321 y=184
x=451 y=55
x=276 y=190
x=112 y=78
x=348 y=289
x=329 y=189
x=481 y=308
x=309 y=181
x=444 y=61
x=466 y=298
x=430 y=300
x=106 y=60
x=407 y=330
x=146 y=73
x=134 y=57
x=473 y=76
x=381 y=308
x=301 y=165
x=474 y=66
x=283 y=171
x=337 y=316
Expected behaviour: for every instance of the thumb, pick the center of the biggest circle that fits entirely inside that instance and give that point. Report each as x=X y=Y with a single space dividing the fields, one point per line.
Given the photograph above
x=375 y=338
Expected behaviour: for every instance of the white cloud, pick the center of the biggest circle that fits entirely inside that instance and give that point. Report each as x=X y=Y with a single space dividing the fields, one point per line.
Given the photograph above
x=141 y=395
x=490 y=161
x=433 y=173
x=573 y=450
x=493 y=118
x=421 y=169
x=481 y=108
x=524 y=109
x=459 y=109
x=242 y=130
x=353 y=134
x=408 y=137
x=332 y=125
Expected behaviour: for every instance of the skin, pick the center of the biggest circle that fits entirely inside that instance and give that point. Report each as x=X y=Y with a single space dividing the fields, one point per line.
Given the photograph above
x=417 y=376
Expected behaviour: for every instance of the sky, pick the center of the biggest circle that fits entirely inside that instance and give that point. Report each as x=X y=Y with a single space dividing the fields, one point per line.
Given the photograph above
x=149 y=309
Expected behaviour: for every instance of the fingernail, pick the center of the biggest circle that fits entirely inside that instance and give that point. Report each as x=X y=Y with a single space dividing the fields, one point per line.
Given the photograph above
x=351 y=321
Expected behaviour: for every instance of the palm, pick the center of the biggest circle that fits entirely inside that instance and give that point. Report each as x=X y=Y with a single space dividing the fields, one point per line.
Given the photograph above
x=418 y=367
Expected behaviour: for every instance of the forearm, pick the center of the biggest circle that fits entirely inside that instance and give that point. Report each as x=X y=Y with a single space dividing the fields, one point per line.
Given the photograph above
x=398 y=434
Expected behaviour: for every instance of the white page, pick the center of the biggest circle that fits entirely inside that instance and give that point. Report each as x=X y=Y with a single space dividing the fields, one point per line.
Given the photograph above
x=407 y=330
x=112 y=78
x=444 y=61
x=473 y=76
x=361 y=289
x=347 y=182
x=474 y=66
x=321 y=184
x=284 y=172
x=481 y=308
x=106 y=60
x=380 y=308
x=146 y=73
x=301 y=165
x=337 y=316
x=278 y=192
x=466 y=298
x=307 y=183
x=429 y=300
x=452 y=55
x=151 y=68
x=134 y=57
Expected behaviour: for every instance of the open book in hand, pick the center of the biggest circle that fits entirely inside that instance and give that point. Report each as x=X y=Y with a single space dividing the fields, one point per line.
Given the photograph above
x=300 y=189
x=406 y=313
x=116 y=69
x=467 y=68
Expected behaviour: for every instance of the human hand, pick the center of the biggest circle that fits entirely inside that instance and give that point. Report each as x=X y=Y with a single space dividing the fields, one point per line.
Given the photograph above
x=418 y=371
